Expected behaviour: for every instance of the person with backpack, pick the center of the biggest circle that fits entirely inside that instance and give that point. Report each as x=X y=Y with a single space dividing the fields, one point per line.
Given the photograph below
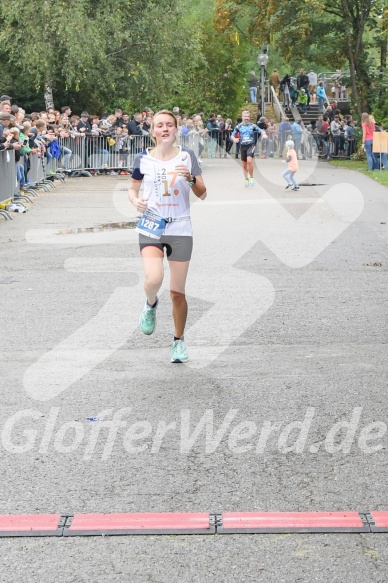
x=294 y=94
x=285 y=89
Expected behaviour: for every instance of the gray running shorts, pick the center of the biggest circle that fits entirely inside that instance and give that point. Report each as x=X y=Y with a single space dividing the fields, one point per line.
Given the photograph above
x=178 y=248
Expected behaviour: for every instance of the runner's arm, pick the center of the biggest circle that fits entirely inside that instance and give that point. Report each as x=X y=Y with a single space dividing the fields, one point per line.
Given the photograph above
x=261 y=132
x=233 y=135
x=139 y=203
x=199 y=188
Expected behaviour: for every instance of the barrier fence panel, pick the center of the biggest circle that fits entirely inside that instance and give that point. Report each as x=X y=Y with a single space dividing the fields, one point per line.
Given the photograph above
x=7 y=176
x=110 y=152
x=73 y=152
x=36 y=172
x=51 y=166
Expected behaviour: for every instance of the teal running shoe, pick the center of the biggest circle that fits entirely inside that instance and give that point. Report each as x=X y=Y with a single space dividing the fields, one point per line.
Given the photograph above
x=148 y=318
x=179 y=351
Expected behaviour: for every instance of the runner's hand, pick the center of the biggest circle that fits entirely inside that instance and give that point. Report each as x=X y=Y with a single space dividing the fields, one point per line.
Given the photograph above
x=140 y=204
x=183 y=171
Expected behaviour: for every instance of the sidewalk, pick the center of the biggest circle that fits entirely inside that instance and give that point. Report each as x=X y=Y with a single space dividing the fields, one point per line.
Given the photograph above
x=287 y=338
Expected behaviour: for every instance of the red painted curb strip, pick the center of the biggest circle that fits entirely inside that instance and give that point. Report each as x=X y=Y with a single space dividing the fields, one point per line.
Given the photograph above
x=292 y=522
x=31 y=525
x=378 y=521
x=191 y=523
x=140 y=523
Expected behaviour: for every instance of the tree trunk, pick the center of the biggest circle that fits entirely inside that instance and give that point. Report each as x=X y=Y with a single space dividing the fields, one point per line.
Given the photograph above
x=383 y=53
x=355 y=18
x=48 y=95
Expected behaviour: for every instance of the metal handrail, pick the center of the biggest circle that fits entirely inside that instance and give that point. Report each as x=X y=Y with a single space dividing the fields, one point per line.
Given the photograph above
x=278 y=104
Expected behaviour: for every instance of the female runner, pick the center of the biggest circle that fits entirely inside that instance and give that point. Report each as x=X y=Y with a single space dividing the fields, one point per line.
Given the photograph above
x=169 y=172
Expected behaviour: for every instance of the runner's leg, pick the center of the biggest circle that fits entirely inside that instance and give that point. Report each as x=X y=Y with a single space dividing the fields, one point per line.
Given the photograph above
x=153 y=272
x=249 y=165
x=178 y=275
x=245 y=168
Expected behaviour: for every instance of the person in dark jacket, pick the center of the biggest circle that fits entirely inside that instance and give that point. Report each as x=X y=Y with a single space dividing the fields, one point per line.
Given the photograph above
x=214 y=132
x=134 y=130
x=83 y=126
x=285 y=89
x=134 y=126
x=302 y=82
x=284 y=132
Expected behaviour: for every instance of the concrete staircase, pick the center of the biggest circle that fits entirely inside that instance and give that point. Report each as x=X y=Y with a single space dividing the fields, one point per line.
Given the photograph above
x=312 y=112
x=311 y=115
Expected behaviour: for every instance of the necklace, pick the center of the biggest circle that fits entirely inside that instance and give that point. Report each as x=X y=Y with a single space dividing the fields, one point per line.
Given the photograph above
x=154 y=152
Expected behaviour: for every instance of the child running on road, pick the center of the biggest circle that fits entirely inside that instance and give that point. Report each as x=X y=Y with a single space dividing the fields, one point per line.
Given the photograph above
x=170 y=173
x=293 y=166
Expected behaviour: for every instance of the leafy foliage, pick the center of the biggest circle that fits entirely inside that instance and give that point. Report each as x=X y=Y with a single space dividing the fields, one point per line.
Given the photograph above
x=318 y=33
x=100 y=54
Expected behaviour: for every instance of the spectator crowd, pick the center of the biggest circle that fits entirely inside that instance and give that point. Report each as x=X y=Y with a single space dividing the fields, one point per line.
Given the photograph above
x=113 y=139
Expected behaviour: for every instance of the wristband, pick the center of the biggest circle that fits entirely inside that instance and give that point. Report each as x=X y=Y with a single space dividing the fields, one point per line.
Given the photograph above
x=192 y=180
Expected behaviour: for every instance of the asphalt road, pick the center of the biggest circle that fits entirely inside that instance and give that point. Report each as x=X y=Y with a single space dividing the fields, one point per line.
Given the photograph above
x=282 y=406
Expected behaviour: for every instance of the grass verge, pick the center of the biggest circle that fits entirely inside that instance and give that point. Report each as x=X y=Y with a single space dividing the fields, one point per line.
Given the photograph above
x=360 y=166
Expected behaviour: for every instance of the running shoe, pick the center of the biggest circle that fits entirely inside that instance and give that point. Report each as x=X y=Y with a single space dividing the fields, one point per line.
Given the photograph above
x=148 y=318
x=295 y=188
x=246 y=182
x=179 y=351
x=288 y=186
x=251 y=182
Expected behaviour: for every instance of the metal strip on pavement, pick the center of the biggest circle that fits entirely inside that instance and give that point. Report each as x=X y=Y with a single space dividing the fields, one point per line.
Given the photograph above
x=378 y=521
x=140 y=523
x=290 y=522
x=32 y=525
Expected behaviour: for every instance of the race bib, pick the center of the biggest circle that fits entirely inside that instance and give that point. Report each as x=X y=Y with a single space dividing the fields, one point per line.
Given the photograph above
x=151 y=225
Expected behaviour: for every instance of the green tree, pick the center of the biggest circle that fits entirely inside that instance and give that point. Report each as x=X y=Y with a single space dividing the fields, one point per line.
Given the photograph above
x=104 y=51
x=311 y=30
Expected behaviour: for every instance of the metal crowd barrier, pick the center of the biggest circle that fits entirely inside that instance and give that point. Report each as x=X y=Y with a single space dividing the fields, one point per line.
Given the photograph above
x=8 y=180
x=36 y=172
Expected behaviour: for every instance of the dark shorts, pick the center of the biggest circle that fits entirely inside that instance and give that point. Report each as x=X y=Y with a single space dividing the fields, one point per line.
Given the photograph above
x=178 y=248
x=247 y=150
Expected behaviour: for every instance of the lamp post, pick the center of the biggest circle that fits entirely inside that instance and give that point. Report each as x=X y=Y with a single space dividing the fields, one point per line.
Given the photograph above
x=262 y=60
